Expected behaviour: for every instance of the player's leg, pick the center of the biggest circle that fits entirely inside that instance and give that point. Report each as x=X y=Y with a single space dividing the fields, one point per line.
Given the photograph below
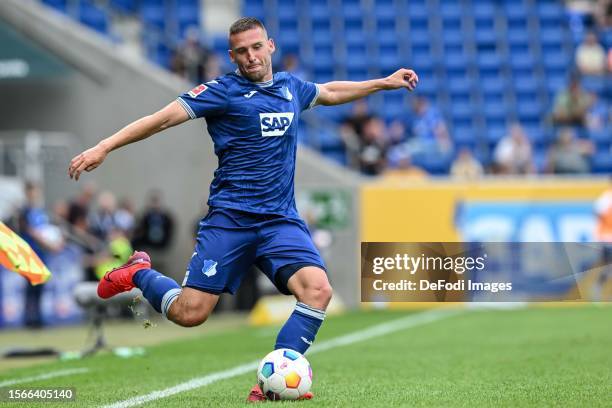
x=186 y=307
x=192 y=307
x=313 y=293
x=216 y=266
x=292 y=262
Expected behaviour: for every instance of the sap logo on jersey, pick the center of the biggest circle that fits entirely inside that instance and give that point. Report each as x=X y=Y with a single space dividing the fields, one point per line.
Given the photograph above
x=275 y=124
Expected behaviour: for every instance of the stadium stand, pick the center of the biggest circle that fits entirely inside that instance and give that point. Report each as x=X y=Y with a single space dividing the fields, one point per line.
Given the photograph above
x=484 y=63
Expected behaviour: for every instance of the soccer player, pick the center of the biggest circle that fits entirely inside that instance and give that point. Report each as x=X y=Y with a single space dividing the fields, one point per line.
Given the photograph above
x=252 y=116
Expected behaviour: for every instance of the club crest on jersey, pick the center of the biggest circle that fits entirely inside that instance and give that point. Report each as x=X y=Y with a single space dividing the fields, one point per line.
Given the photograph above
x=197 y=90
x=275 y=124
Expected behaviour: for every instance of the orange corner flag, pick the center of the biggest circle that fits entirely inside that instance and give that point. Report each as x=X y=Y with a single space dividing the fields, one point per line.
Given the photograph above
x=17 y=256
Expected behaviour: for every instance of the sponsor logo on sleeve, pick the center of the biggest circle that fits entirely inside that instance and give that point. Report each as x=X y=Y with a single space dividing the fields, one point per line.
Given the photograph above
x=197 y=90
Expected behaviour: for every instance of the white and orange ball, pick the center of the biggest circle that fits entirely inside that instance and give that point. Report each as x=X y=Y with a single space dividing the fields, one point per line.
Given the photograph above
x=284 y=374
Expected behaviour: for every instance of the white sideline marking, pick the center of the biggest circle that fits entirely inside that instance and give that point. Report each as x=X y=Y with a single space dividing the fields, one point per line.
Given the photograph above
x=360 y=335
x=45 y=376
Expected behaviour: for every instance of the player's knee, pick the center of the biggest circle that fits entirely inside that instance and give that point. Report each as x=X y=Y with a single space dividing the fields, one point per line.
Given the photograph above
x=318 y=295
x=190 y=318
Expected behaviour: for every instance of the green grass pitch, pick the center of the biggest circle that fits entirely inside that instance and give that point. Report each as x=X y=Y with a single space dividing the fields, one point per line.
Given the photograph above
x=521 y=357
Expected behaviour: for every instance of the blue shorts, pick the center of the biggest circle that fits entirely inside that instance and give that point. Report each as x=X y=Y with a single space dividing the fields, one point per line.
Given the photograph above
x=230 y=241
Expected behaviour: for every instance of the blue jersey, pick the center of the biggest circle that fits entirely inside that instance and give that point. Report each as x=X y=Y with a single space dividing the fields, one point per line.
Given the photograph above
x=254 y=129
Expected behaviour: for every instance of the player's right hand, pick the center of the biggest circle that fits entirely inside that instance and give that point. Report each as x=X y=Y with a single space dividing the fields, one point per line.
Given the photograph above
x=86 y=161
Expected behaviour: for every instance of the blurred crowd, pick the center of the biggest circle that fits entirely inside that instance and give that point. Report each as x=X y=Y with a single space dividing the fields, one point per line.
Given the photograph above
x=102 y=228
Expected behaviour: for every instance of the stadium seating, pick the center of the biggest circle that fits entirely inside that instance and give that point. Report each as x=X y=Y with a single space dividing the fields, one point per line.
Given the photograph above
x=484 y=63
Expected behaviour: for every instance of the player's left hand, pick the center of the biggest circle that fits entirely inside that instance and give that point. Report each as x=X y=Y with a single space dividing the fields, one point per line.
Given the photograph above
x=402 y=78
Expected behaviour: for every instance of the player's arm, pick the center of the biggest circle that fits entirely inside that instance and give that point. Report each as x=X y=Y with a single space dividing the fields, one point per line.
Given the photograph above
x=339 y=92
x=171 y=115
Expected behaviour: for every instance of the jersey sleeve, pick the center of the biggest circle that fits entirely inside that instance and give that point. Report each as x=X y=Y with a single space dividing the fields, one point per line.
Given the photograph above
x=307 y=92
x=205 y=100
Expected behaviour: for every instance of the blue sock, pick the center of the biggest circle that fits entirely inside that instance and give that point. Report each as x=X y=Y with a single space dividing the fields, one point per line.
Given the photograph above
x=160 y=290
x=300 y=330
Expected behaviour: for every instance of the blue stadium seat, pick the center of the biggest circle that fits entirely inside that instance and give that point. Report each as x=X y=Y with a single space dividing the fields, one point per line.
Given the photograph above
x=329 y=140
x=595 y=84
x=287 y=15
x=526 y=84
x=495 y=131
x=388 y=61
x=186 y=17
x=550 y=14
x=556 y=60
x=384 y=10
x=492 y=85
x=94 y=17
x=493 y=98
x=601 y=137
x=59 y=5
x=483 y=10
x=464 y=136
x=450 y=12
x=463 y=98
x=518 y=36
x=606 y=38
x=455 y=38
x=529 y=112
x=602 y=163
x=459 y=85
x=337 y=156
x=253 y=10
x=516 y=15
x=486 y=37
x=153 y=16
x=433 y=163
x=124 y=6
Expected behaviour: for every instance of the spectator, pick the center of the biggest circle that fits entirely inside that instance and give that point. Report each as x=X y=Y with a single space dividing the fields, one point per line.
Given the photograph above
x=44 y=238
x=404 y=170
x=430 y=133
x=351 y=131
x=466 y=166
x=191 y=59
x=373 y=149
x=571 y=105
x=155 y=229
x=603 y=13
x=104 y=220
x=156 y=226
x=598 y=115
x=513 y=153
x=591 y=56
x=569 y=155
x=82 y=203
x=125 y=218
x=213 y=67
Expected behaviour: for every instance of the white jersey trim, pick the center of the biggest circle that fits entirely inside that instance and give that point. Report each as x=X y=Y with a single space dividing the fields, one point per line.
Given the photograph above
x=187 y=108
x=316 y=97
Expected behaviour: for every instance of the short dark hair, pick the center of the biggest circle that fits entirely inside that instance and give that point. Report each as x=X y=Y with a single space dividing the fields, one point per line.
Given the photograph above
x=244 y=24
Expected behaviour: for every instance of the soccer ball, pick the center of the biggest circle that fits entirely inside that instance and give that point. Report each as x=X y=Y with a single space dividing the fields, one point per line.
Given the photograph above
x=284 y=374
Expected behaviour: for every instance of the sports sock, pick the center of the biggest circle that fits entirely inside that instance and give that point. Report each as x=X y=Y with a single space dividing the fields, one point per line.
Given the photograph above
x=300 y=330
x=161 y=291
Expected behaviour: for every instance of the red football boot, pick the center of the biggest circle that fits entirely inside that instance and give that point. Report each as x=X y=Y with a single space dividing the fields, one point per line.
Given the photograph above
x=120 y=279
x=308 y=396
x=256 y=395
